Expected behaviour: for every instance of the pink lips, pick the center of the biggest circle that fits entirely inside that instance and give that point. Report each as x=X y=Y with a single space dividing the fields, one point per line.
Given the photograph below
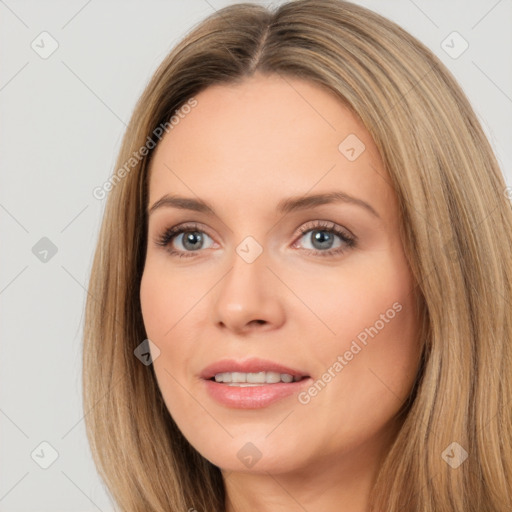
x=251 y=397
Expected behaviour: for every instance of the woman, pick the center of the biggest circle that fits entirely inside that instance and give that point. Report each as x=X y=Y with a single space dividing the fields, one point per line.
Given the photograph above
x=300 y=298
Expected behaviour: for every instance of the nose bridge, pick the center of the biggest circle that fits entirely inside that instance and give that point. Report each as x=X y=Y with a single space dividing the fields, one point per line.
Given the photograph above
x=247 y=292
x=247 y=279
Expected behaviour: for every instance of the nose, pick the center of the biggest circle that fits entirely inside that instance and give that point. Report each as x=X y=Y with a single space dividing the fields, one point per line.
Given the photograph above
x=248 y=297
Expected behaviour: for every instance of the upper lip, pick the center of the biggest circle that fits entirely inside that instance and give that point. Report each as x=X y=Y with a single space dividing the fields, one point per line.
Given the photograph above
x=252 y=365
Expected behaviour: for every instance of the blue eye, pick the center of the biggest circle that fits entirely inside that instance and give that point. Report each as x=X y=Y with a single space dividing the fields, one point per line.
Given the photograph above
x=322 y=236
x=192 y=239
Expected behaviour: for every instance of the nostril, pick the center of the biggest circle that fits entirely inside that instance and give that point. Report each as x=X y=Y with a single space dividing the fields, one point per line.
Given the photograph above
x=260 y=321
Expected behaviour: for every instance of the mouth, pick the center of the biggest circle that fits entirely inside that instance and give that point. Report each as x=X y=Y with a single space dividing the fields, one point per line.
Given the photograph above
x=251 y=372
x=254 y=390
x=252 y=383
x=243 y=379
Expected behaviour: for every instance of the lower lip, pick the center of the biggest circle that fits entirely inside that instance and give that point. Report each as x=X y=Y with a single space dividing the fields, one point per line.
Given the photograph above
x=253 y=397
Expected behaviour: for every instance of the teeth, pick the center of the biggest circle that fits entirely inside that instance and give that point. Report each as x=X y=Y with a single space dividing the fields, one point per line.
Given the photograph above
x=254 y=379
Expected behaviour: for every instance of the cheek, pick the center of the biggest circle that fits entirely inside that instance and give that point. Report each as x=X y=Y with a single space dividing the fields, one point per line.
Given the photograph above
x=368 y=291
x=158 y=303
x=164 y=304
x=168 y=303
x=167 y=298
x=367 y=369
x=367 y=317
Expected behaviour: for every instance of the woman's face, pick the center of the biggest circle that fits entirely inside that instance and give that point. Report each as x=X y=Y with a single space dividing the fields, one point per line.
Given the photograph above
x=296 y=268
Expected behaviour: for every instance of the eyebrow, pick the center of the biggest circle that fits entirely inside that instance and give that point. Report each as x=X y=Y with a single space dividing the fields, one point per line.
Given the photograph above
x=284 y=206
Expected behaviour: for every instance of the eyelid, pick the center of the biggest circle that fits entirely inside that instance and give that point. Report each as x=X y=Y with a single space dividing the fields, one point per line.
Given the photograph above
x=325 y=224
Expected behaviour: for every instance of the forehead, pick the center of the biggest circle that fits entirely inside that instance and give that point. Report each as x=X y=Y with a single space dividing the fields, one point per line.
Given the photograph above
x=266 y=138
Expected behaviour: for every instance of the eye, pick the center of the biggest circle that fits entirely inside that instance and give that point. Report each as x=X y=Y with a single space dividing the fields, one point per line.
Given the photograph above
x=326 y=238
x=189 y=236
x=322 y=235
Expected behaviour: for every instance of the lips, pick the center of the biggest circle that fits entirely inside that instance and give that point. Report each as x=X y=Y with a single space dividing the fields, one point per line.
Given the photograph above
x=253 y=365
x=248 y=395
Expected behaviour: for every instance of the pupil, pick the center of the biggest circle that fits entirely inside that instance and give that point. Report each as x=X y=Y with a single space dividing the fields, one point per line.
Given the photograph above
x=322 y=237
x=192 y=237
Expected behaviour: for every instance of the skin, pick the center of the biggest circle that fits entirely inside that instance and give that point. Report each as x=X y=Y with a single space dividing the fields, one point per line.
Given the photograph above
x=243 y=149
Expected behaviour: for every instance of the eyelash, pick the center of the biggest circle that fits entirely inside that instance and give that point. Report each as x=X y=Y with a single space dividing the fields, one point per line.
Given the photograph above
x=169 y=234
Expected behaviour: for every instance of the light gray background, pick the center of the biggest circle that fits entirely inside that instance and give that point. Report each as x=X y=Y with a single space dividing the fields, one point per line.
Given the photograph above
x=62 y=119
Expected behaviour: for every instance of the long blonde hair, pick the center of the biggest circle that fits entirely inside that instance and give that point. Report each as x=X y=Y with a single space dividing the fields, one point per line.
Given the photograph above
x=456 y=229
